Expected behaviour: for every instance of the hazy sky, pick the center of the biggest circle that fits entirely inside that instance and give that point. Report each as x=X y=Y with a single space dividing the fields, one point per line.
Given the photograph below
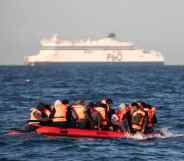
x=151 y=24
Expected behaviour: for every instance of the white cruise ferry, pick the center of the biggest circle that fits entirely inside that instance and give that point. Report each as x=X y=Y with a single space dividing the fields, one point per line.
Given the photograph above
x=108 y=49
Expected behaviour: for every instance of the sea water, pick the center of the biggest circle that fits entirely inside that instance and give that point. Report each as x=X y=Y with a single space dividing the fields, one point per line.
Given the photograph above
x=22 y=87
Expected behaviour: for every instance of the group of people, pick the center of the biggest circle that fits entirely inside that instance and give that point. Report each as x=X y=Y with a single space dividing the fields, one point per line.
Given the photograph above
x=133 y=117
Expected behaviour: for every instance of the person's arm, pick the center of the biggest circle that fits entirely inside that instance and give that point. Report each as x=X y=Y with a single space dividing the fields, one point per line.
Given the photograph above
x=126 y=122
x=69 y=114
x=52 y=113
x=98 y=122
x=145 y=123
x=128 y=116
x=154 y=120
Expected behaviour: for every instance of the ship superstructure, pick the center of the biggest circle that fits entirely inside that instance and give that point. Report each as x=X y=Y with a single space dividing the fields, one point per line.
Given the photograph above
x=108 y=49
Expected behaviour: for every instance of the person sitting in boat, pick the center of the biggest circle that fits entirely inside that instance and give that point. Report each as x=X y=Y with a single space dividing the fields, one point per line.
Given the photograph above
x=100 y=116
x=110 y=112
x=60 y=113
x=107 y=104
x=151 y=116
x=120 y=119
x=90 y=121
x=40 y=115
x=138 y=118
x=79 y=114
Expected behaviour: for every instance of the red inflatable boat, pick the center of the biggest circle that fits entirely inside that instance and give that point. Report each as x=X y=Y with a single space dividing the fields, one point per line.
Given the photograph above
x=75 y=132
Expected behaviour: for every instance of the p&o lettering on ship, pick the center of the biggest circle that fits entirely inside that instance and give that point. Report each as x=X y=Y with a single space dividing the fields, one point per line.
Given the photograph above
x=114 y=57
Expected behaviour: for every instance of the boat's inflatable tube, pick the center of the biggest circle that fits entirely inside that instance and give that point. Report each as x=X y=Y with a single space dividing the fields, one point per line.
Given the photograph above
x=75 y=132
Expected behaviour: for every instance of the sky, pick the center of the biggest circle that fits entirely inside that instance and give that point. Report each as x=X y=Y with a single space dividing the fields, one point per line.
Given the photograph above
x=149 y=24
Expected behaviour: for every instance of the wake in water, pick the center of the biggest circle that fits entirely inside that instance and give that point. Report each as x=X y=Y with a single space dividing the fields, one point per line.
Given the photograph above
x=162 y=133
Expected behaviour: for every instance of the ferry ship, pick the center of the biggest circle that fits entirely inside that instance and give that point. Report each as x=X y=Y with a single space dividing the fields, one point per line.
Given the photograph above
x=103 y=50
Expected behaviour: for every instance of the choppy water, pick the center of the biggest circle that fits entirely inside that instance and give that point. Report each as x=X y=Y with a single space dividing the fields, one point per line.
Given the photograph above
x=21 y=87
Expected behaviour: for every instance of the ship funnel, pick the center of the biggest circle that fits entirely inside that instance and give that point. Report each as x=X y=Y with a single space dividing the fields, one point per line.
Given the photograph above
x=111 y=35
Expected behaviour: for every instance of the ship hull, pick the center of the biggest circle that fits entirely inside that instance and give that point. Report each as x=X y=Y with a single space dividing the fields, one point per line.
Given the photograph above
x=125 y=57
x=125 y=63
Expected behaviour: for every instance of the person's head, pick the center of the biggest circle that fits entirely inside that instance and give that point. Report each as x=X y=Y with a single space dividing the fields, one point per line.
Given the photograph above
x=149 y=106
x=143 y=104
x=98 y=103
x=103 y=101
x=134 y=104
x=57 y=102
x=65 y=102
x=109 y=101
x=79 y=102
x=122 y=106
x=41 y=105
x=91 y=105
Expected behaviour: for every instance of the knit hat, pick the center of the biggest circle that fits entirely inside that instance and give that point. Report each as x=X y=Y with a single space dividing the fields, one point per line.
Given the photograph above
x=122 y=106
x=57 y=102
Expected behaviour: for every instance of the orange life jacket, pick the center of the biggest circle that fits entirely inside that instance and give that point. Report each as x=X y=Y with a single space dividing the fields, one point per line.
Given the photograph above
x=79 y=112
x=121 y=114
x=137 y=119
x=45 y=112
x=150 y=112
x=102 y=113
x=60 y=113
x=37 y=115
